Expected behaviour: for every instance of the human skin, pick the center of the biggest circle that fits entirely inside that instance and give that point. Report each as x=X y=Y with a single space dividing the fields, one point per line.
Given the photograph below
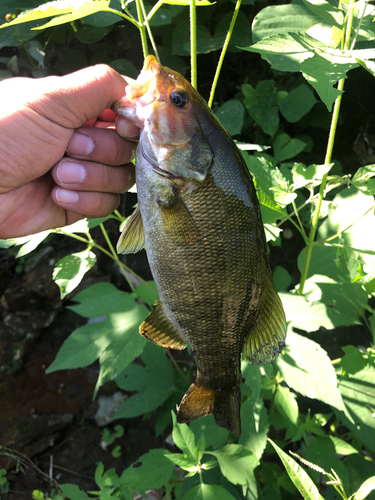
x=61 y=158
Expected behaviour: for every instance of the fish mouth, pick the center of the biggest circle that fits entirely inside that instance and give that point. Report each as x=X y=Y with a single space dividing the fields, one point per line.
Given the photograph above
x=155 y=167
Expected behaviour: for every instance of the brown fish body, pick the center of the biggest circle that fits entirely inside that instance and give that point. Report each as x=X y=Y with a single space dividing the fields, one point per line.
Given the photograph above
x=205 y=243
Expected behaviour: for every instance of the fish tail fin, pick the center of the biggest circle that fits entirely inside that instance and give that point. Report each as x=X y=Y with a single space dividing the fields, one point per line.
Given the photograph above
x=224 y=405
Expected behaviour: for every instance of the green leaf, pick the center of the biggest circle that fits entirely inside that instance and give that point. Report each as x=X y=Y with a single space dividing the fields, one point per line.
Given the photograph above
x=353 y=361
x=29 y=243
x=342 y=447
x=184 y=439
x=208 y=492
x=231 y=115
x=100 y=299
x=96 y=222
x=286 y=147
x=261 y=105
x=151 y=471
x=281 y=279
x=183 y=462
x=255 y=427
x=236 y=462
x=324 y=70
x=363 y=180
x=298 y=365
x=147 y=292
x=69 y=271
x=365 y=489
x=214 y=435
x=154 y=383
x=286 y=403
x=297 y=103
x=358 y=393
x=312 y=175
x=368 y=65
x=327 y=11
x=73 y=491
x=299 y=477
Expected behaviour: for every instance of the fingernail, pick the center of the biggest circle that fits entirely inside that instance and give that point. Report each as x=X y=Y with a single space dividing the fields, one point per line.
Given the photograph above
x=70 y=173
x=80 y=144
x=66 y=197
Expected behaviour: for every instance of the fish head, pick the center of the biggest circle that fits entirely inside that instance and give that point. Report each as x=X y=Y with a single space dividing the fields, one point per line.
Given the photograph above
x=169 y=110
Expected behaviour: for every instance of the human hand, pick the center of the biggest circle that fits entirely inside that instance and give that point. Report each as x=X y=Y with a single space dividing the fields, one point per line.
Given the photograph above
x=60 y=158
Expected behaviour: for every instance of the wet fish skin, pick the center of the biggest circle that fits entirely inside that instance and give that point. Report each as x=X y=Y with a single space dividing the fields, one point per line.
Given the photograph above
x=199 y=218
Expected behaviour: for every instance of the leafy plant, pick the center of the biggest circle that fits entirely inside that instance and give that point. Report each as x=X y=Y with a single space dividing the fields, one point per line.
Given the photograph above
x=307 y=402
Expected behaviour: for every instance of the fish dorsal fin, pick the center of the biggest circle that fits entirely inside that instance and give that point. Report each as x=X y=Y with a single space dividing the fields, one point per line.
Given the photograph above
x=157 y=328
x=267 y=335
x=132 y=238
x=179 y=222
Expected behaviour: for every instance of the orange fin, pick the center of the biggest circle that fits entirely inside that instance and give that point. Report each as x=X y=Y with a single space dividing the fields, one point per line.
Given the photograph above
x=266 y=337
x=224 y=405
x=132 y=238
x=157 y=328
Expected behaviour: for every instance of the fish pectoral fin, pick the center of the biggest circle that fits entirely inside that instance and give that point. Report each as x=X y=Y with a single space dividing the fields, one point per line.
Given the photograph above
x=224 y=405
x=132 y=238
x=266 y=337
x=157 y=328
x=178 y=220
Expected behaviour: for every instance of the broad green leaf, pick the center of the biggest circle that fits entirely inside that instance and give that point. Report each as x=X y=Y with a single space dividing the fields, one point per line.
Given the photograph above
x=368 y=65
x=281 y=279
x=327 y=11
x=236 y=462
x=231 y=115
x=96 y=222
x=364 y=180
x=147 y=292
x=358 y=393
x=342 y=447
x=286 y=403
x=154 y=383
x=283 y=19
x=151 y=471
x=255 y=426
x=261 y=105
x=115 y=341
x=297 y=103
x=251 y=374
x=69 y=271
x=286 y=147
x=183 y=461
x=78 y=227
x=208 y=492
x=353 y=215
x=73 y=491
x=214 y=435
x=241 y=34
x=312 y=175
x=101 y=299
x=324 y=70
x=298 y=365
x=365 y=489
x=184 y=438
x=299 y=477
x=353 y=361
x=359 y=471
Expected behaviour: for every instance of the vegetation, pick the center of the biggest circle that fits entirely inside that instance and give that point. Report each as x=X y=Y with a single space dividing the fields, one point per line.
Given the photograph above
x=308 y=420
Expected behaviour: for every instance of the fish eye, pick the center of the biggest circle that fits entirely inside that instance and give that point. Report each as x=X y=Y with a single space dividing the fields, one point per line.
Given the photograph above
x=179 y=99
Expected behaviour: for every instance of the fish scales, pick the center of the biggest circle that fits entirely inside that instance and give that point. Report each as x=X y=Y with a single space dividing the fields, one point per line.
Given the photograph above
x=200 y=221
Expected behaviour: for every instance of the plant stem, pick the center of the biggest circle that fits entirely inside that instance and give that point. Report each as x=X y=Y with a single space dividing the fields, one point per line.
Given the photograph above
x=193 y=43
x=149 y=31
x=142 y=28
x=223 y=52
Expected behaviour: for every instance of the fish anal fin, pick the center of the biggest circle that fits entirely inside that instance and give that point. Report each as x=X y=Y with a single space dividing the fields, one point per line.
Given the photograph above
x=224 y=405
x=157 y=328
x=267 y=336
x=132 y=238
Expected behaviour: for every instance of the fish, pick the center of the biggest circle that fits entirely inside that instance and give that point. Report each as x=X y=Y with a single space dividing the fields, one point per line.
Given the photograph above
x=199 y=218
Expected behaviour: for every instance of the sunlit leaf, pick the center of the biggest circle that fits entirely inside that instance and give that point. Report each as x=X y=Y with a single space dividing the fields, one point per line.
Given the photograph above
x=286 y=403
x=236 y=462
x=69 y=271
x=365 y=489
x=208 y=492
x=299 y=477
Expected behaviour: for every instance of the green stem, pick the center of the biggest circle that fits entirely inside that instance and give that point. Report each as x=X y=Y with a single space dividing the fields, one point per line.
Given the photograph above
x=193 y=43
x=315 y=221
x=142 y=28
x=223 y=52
x=331 y=139
x=149 y=32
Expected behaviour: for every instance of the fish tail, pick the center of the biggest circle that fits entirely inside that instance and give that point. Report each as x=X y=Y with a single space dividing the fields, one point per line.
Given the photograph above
x=223 y=404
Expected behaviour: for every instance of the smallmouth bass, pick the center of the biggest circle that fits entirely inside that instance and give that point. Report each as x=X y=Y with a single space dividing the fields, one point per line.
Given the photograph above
x=199 y=218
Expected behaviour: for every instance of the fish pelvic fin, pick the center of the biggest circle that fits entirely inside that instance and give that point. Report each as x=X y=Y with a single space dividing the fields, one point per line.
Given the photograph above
x=158 y=329
x=132 y=238
x=224 y=405
x=267 y=336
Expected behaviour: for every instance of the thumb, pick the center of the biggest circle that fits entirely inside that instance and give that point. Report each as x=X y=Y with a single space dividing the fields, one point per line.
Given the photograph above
x=74 y=99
